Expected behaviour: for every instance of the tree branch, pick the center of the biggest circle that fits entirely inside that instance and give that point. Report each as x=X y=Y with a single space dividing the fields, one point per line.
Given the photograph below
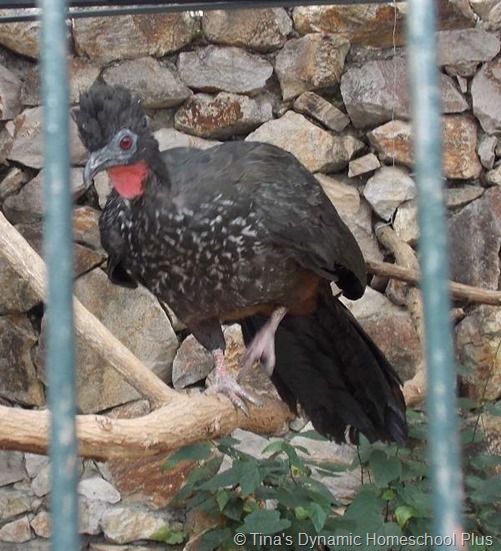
x=186 y=420
x=31 y=268
x=459 y=291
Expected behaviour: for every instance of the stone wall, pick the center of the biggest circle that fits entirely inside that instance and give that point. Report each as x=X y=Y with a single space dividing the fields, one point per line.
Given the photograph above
x=328 y=84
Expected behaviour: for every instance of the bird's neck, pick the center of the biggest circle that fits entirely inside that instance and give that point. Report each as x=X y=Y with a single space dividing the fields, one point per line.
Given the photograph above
x=129 y=180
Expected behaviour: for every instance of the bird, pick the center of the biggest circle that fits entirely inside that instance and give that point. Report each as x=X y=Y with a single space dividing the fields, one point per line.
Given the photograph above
x=243 y=232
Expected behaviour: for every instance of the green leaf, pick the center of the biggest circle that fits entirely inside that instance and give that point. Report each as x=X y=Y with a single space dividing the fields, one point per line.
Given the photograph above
x=301 y=513
x=171 y=537
x=234 y=509
x=222 y=498
x=488 y=492
x=221 y=480
x=318 y=515
x=484 y=461
x=403 y=514
x=389 y=494
x=249 y=478
x=194 y=452
x=312 y=435
x=384 y=468
x=213 y=538
x=264 y=521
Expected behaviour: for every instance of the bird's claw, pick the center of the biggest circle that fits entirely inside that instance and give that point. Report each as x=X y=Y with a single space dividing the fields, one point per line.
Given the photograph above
x=238 y=395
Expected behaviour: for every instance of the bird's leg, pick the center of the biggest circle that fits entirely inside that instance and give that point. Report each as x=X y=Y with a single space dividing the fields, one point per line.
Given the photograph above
x=226 y=384
x=210 y=335
x=262 y=347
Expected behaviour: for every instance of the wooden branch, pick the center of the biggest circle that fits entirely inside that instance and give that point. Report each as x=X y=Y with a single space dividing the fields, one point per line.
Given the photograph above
x=31 y=268
x=459 y=291
x=184 y=421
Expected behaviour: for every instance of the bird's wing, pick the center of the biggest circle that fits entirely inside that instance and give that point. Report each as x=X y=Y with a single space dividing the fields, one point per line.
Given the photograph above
x=290 y=202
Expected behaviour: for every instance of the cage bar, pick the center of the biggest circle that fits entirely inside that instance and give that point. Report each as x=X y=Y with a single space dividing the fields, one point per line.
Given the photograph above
x=443 y=444
x=58 y=249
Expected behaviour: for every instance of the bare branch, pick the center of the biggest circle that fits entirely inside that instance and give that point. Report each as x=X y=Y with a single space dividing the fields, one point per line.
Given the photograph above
x=31 y=268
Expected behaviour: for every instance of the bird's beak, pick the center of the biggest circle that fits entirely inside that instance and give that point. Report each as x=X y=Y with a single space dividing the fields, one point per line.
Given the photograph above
x=97 y=161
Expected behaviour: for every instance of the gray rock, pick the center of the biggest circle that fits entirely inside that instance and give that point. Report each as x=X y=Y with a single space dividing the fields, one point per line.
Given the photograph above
x=364 y=25
x=360 y=224
x=35 y=463
x=317 y=149
x=90 y=515
x=11 y=467
x=123 y=525
x=192 y=363
x=313 y=62
x=262 y=30
x=10 y=88
x=42 y=525
x=393 y=143
x=29 y=205
x=486 y=96
x=83 y=74
x=317 y=107
x=489 y=11
x=17 y=531
x=169 y=138
x=86 y=228
x=13 y=503
x=17 y=293
x=363 y=165
x=391 y=328
x=477 y=342
x=12 y=183
x=97 y=489
x=406 y=223
x=105 y=39
x=154 y=83
x=458 y=197
x=388 y=189
x=344 y=197
x=32 y=545
x=28 y=140
x=18 y=377
x=6 y=141
x=41 y=483
x=355 y=213
x=146 y=331
x=487 y=150
x=493 y=177
x=465 y=47
x=226 y=69
x=372 y=96
x=22 y=37
x=222 y=116
x=85 y=259
x=475 y=240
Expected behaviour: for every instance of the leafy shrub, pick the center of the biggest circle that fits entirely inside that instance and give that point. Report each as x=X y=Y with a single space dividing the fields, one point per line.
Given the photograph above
x=276 y=503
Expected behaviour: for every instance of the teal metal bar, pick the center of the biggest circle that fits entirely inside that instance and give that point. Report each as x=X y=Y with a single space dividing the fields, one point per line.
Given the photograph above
x=58 y=248
x=444 y=446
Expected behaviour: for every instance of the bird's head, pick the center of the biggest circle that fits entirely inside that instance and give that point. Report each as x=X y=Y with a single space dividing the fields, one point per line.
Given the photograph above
x=114 y=129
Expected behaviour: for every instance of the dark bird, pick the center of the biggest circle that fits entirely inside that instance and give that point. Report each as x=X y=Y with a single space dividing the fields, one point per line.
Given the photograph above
x=242 y=232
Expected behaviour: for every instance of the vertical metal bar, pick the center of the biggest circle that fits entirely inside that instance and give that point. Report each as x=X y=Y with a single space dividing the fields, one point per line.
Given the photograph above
x=441 y=395
x=58 y=245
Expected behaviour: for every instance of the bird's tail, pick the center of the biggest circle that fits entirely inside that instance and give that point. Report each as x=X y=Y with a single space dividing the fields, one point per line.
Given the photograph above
x=328 y=363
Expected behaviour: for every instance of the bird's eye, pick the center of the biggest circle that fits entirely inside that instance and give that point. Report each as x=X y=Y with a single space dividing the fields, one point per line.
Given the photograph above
x=126 y=143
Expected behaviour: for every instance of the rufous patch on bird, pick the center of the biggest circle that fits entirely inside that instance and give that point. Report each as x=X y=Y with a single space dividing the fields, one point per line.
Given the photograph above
x=129 y=180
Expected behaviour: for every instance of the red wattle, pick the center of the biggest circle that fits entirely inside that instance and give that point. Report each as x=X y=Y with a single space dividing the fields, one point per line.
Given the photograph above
x=128 y=180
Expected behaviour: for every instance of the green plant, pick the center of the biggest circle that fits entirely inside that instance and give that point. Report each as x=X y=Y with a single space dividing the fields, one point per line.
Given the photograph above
x=280 y=501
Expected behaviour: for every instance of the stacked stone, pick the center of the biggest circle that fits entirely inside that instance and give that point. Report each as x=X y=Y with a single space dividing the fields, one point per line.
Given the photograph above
x=329 y=84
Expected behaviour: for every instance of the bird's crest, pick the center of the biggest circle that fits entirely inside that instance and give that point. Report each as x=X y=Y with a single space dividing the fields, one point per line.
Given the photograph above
x=103 y=111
